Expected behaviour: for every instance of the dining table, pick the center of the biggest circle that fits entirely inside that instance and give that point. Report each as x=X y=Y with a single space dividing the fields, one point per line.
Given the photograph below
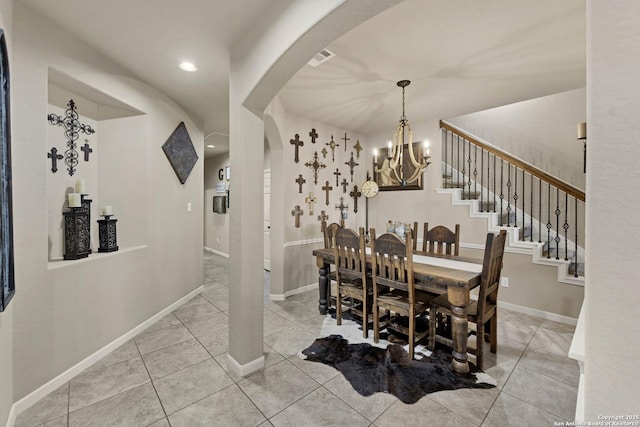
x=456 y=276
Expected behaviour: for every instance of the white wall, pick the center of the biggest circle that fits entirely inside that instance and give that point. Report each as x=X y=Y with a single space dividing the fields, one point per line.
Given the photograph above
x=64 y=313
x=612 y=341
x=6 y=317
x=540 y=131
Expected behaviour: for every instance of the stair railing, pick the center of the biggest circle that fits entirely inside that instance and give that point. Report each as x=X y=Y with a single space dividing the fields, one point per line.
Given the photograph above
x=532 y=196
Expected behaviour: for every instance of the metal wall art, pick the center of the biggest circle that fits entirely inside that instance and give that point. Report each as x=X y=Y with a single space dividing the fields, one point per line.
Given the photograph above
x=298 y=143
x=316 y=165
x=314 y=135
x=72 y=128
x=300 y=180
x=180 y=152
x=297 y=213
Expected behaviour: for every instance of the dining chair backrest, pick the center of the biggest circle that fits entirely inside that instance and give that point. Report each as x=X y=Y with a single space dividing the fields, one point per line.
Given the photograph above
x=330 y=232
x=491 y=270
x=350 y=255
x=441 y=240
x=392 y=262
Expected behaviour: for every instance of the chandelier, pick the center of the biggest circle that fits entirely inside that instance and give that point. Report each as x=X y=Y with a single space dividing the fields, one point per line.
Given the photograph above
x=403 y=143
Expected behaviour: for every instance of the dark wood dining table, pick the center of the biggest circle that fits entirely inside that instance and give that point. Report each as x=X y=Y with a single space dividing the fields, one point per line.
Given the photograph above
x=428 y=276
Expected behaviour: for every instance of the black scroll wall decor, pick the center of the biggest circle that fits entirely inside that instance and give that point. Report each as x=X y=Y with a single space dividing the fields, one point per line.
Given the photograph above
x=7 y=281
x=72 y=128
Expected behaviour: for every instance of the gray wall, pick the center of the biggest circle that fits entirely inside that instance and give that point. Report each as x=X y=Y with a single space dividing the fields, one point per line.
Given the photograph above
x=6 y=318
x=66 y=311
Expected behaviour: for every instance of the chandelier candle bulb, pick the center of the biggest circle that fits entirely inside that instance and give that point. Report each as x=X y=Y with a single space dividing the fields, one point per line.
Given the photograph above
x=389 y=147
x=107 y=211
x=74 y=200
x=375 y=155
x=80 y=187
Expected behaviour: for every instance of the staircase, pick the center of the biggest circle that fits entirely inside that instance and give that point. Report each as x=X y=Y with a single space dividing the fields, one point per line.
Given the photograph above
x=543 y=216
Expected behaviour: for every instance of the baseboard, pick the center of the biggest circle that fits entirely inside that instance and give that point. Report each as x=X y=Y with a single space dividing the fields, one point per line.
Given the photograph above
x=12 y=416
x=282 y=297
x=303 y=242
x=29 y=400
x=224 y=254
x=538 y=313
x=247 y=368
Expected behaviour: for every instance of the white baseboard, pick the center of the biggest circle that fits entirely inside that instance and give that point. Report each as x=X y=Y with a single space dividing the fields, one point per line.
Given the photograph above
x=29 y=400
x=247 y=368
x=282 y=297
x=224 y=254
x=538 y=313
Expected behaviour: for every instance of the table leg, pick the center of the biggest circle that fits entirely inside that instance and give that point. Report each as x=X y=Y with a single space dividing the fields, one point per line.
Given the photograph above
x=323 y=285
x=459 y=299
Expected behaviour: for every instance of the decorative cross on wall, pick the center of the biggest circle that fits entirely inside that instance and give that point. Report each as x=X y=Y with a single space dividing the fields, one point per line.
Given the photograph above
x=345 y=139
x=323 y=217
x=86 y=150
x=332 y=144
x=344 y=184
x=358 y=148
x=72 y=127
x=297 y=212
x=324 y=152
x=310 y=201
x=342 y=207
x=300 y=180
x=337 y=174
x=354 y=195
x=313 y=134
x=315 y=165
x=351 y=163
x=326 y=187
x=54 y=156
x=296 y=141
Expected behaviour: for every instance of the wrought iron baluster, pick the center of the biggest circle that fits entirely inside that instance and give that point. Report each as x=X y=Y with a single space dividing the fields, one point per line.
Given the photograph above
x=452 y=161
x=464 y=172
x=458 y=165
x=508 y=194
x=515 y=198
x=475 y=170
x=469 y=170
x=501 y=187
x=482 y=189
x=445 y=153
x=566 y=226
x=575 y=273
x=540 y=211
x=531 y=207
x=495 y=204
x=557 y=212
x=549 y=221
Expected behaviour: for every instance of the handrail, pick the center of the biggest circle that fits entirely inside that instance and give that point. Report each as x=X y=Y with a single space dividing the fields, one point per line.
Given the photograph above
x=538 y=173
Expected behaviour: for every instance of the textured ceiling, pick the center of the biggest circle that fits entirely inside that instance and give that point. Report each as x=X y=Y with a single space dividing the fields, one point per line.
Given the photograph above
x=461 y=56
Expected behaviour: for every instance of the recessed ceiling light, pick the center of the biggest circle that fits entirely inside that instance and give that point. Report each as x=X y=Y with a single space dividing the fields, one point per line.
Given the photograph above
x=188 y=66
x=211 y=146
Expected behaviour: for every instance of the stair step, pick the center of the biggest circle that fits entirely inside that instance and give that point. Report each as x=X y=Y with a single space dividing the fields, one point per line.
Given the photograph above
x=580 y=266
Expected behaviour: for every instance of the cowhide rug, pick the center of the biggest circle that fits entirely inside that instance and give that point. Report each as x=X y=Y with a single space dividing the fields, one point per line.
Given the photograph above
x=387 y=368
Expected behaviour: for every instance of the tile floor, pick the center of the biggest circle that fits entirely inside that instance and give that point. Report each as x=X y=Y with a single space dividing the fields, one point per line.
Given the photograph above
x=175 y=374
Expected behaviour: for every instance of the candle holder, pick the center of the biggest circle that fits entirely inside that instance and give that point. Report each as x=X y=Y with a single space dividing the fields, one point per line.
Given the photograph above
x=107 y=234
x=85 y=203
x=76 y=234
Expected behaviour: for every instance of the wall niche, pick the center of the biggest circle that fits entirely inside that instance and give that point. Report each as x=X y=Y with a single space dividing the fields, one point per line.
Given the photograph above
x=113 y=172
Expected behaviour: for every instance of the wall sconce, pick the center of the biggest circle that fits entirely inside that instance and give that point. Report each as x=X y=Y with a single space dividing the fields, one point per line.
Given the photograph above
x=582 y=135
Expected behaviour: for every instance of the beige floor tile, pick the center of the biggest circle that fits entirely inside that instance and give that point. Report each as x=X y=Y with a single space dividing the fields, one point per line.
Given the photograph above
x=168 y=320
x=290 y=341
x=195 y=311
x=271 y=357
x=313 y=410
x=424 y=412
x=216 y=342
x=206 y=325
x=175 y=357
x=561 y=368
x=228 y=407
x=126 y=351
x=277 y=387
x=50 y=407
x=63 y=421
x=153 y=340
x=508 y=410
x=95 y=385
x=318 y=371
x=185 y=387
x=136 y=407
x=501 y=364
x=473 y=404
x=274 y=322
x=553 y=337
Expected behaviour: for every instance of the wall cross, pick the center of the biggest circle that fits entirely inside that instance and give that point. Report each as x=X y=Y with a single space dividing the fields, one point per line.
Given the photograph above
x=354 y=195
x=300 y=180
x=324 y=152
x=54 y=156
x=297 y=212
x=351 y=163
x=337 y=174
x=332 y=144
x=342 y=207
x=72 y=127
x=358 y=148
x=326 y=187
x=323 y=217
x=310 y=201
x=313 y=134
x=296 y=141
x=344 y=184
x=86 y=150
x=315 y=165
x=345 y=139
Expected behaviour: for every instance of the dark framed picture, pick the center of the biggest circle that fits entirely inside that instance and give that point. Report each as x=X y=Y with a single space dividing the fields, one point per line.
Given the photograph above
x=388 y=179
x=220 y=204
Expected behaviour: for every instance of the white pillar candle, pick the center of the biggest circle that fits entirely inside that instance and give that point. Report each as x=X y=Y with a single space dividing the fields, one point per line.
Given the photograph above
x=582 y=131
x=74 y=200
x=80 y=186
x=106 y=210
x=375 y=155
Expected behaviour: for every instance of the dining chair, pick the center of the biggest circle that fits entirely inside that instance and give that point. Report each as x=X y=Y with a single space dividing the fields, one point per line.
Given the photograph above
x=393 y=285
x=481 y=311
x=330 y=232
x=441 y=240
x=351 y=273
